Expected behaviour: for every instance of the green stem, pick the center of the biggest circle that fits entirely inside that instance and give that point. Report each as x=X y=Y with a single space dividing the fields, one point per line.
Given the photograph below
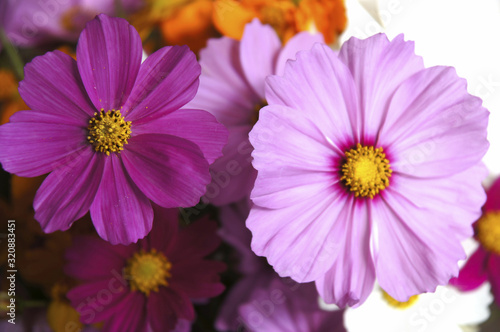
x=15 y=59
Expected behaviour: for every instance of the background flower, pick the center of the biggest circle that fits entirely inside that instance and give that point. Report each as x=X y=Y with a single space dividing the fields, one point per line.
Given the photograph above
x=232 y=89
x=150 y=283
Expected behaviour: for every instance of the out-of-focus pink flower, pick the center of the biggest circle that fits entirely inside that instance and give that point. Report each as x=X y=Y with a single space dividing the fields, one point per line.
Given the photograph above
x=232 y=89
x=37 y=22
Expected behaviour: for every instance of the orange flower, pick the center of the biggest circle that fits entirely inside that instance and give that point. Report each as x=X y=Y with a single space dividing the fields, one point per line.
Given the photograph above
x=287 y=17
x=181 y=22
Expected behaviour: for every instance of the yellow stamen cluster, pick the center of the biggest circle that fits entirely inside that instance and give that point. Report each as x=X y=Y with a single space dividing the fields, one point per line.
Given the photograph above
x=108 y=131
x=366 y=171
x=488 y=231
x=147 y=271
x=396 y=304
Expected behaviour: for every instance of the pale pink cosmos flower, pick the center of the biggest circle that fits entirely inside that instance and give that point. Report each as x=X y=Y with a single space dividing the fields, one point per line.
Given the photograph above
x=368 y=166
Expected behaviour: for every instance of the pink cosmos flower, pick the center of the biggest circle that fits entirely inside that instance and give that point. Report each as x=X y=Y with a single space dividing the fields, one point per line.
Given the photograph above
x=368 y=165
x=484 y=264
x=261 y=300
x=232 y=89
x=148 y=285
x=111 y=133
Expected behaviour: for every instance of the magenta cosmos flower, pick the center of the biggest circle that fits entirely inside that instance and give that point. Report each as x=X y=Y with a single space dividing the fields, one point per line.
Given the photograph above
x=148 y=285
x=484 y=264
x=232 y=89
x=368 y=165
x=111 y=133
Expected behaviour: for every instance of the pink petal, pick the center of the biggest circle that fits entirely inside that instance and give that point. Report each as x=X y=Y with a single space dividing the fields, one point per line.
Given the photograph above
x=433 y=126
x=168 y=302
x=233 y=175
x=120 y=212
x=287 y=144
x=474 y=273
x=300 y=42
x=42 y=146
x=259 y=49
x=52 y=85
x=378 y=68
x=321 y=87
x=456 y=199
x=169 y=170
x=350 y=279
x=67 y=193
x=302 y=240
x=199 y=127
x=167 y=80
x=109 y=55
x=413 y=252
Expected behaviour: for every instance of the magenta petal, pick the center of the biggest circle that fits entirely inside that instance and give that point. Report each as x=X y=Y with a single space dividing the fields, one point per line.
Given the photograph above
x=52 y=85
x=300 y=42
x=84 y=299
x=109 y=55
x=494 y=276
x=493 y=200
x=167 y=80
x=164 y=232
x=199 y=127
x=473 y=274
x=202 y=232
x=378 y=68
x=84 y=264
x=121 y=213
x=31 y=148
x=350 y=279
x=129 y=315
x=67 y=193
x=259 y=48
x=198 y=279
x=169 y=170
x=168 y=301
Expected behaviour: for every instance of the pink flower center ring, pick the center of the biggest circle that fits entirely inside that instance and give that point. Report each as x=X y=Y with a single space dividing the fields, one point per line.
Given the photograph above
x=488 y=231
x=147 y=271
x=108 y=131
x=366 y=171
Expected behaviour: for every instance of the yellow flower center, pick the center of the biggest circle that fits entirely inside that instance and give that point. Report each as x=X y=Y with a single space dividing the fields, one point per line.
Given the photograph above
x=488 y=231
x=108 y=131
x=147 y=271
x=396 y=304
x=366 y=171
